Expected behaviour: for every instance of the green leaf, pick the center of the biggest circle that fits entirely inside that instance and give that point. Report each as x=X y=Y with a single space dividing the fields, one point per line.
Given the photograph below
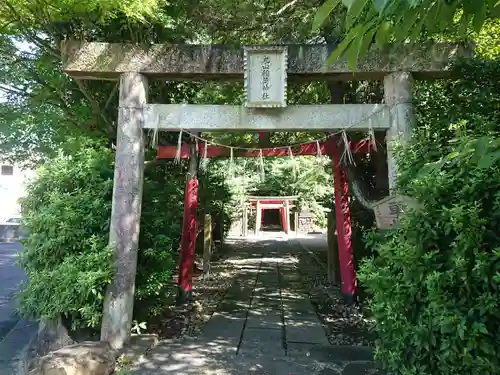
x=341 y=48
x=487 y=160
x=323 y=13
x=353 y=52
x=354 y=12
x=481 y=147
x=366 y=42
x=383 y=33
x=415 y=33
x=479 y=17
x=380 y=5
x=402 y=32
x=446 y=15
x=463 y=25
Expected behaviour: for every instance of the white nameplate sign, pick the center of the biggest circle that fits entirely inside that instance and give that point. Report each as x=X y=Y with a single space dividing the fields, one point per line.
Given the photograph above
x=388 y=210
x=265 y=76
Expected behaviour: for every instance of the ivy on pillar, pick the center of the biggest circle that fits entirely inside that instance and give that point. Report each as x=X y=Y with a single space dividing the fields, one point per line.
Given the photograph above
x=398 y=96
x=126 y=210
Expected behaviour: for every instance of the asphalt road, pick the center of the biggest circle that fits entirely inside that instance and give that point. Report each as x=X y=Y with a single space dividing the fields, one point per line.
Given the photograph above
x=11 y=276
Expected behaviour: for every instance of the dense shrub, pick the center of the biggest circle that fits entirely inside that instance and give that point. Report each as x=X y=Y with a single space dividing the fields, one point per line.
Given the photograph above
x=434 y=282
x=67 y=211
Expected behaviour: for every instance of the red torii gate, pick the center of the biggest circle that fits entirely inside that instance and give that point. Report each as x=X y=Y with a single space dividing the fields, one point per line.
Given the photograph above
x=262 y=203
x=341 y=190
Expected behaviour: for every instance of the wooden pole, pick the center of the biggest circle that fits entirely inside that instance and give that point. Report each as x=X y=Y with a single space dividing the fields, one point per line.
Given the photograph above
x=333 y=250
x=207 y=244
x=283 y=220
x=222 y=218
x=245 y=220
x=287 y=217
x=258 y=218
x=126 y=210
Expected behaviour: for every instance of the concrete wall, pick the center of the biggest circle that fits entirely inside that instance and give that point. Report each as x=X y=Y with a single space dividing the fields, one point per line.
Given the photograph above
x=11 y=233
x=12 y=187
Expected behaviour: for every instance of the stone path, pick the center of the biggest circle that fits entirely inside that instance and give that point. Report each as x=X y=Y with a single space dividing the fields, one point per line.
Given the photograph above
x=265 y=325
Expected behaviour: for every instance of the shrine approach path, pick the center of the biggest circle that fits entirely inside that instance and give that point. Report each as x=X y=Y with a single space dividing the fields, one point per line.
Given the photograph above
x=265 y=324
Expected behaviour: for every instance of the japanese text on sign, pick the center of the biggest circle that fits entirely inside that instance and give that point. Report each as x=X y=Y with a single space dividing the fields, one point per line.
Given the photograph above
x=265 y=76
x=266 y=64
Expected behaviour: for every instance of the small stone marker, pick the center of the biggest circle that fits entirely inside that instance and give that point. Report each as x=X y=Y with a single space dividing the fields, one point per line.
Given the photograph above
x=265 y=76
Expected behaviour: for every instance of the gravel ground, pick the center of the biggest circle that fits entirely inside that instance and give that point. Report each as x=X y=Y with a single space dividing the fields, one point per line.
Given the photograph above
x=345 y=325
x=207 y=294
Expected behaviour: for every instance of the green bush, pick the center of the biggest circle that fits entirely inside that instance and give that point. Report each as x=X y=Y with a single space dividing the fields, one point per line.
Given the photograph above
x=434 y=281
x=66 y=212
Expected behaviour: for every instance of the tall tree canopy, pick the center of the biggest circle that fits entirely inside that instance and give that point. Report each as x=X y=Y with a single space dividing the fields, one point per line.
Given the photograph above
x=407 y=21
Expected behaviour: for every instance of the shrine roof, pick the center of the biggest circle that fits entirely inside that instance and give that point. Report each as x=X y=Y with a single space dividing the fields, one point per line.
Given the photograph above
x=272 y=198
x=92 y=60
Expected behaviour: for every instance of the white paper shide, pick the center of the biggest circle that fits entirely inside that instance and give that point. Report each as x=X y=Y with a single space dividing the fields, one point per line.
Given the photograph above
x=265 y=76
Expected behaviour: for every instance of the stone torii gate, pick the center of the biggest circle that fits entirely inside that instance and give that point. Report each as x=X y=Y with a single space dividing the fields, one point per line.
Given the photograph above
x=134 y=65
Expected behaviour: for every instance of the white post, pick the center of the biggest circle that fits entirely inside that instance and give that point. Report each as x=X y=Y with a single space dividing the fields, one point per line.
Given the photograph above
x=126 y=210
x=398 y=96
x=258 y=218
x=245 y=220
x=287 y=216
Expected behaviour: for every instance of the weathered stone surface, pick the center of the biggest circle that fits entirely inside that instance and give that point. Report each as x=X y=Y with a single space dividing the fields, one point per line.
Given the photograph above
x=358 y=368
x=52 y=336
x=262 y=341
x=137 y=348
x=398 y=95
x=305 y=331
x=206 y=118
x=109 y=60
x=126 y=210
x=329 y=353
x=268 y=319
x=87 y=358
x=223 y=325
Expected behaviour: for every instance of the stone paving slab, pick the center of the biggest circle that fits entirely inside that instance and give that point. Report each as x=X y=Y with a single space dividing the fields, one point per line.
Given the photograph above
x=262 y=341
x=305 y=331
x=330 y=353
x=224 y=326
x=298 y=305
x=229 y=307
x=239 y=294
x=264 y=290
x=259 y=302
x=269 y=320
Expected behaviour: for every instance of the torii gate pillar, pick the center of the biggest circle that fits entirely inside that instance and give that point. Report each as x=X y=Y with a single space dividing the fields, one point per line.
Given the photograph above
x=126 y=209
x=398 y=96
x=348 y=277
